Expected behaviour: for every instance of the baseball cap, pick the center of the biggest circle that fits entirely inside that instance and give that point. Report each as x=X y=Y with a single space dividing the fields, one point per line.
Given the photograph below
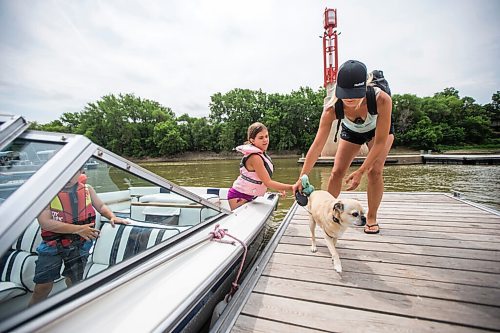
x=351 y=80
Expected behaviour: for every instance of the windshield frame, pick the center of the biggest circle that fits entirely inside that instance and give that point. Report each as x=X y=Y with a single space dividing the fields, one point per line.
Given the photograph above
x=20 y=209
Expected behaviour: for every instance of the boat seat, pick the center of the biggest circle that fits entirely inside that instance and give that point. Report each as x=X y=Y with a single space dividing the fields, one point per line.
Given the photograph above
x=18 y=265
x=189 y=212
x=124 y=241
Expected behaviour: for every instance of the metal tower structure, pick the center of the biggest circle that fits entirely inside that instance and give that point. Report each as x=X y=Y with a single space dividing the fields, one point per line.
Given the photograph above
x=330 y=67
x=330 y=49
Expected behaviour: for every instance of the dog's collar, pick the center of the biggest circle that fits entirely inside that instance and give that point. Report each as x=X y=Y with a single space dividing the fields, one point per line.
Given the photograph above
x=336 y=220
x=327 y=234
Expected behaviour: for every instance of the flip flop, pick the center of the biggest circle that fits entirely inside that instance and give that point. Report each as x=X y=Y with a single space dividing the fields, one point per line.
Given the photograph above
x=368 y=231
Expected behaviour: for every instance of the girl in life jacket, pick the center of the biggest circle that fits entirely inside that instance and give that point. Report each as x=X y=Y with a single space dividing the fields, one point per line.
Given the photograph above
x=256 y=169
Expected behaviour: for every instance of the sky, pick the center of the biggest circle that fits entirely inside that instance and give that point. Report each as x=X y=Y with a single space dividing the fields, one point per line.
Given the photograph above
x=57 y=56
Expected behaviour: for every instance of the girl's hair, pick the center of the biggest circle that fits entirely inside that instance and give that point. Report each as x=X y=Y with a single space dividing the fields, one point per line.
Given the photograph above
x=334 y=98
x=255 y=129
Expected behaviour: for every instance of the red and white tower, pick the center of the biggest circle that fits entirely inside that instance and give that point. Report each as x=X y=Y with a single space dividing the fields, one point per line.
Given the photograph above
x=330 y=49
x=330 y=67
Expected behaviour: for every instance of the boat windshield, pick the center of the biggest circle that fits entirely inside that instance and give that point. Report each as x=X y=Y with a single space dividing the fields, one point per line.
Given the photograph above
x=20 y=160
x=101 y=217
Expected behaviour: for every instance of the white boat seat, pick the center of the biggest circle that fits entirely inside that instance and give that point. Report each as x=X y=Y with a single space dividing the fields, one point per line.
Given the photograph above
x=124 y=241
x=162 y=215
x=191 y=213
x=18 y=265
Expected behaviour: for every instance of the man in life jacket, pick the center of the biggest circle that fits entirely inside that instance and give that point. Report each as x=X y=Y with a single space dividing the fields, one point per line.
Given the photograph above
x=68 y=231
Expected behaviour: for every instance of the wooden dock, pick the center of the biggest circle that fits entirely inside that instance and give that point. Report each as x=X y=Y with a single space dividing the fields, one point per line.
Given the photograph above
x=489 y=159
x=434 y=267
x=486 y=159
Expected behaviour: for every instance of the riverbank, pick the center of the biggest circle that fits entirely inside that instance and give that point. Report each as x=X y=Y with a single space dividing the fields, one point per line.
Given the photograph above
x=208 y=156
x=234 y=155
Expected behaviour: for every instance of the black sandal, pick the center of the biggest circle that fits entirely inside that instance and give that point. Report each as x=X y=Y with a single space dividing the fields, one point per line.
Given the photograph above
x=368 y=231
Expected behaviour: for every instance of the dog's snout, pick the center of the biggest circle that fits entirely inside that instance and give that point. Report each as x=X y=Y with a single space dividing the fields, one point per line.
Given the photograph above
x=363 y=220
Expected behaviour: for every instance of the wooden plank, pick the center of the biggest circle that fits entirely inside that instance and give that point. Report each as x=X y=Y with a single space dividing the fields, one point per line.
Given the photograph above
x=413 y=272
x=446 y=215
x=423 y=308
x=431 y=220
x=392 y=237
x=396 y=258
x=419 y=225
x=245 y=324
x=401 y=248
x=336 y=319
x=401 y=285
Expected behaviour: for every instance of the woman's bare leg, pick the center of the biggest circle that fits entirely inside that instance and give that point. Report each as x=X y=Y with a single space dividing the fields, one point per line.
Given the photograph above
x=375 y=188
x=346 y=152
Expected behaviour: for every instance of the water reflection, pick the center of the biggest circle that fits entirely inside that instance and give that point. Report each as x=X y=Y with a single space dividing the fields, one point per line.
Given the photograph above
x=478 y=183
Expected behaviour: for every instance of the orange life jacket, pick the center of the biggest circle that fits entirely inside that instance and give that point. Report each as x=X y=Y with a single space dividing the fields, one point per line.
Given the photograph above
x=60 y=208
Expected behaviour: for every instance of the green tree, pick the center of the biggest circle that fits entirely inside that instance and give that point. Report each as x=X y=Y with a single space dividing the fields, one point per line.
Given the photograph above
x=124 y=124
x=168 y=139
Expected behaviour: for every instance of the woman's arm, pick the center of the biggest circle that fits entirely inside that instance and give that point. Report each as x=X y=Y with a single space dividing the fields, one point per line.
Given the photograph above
x=256 y=163
x=384 y=110
x=325 y=125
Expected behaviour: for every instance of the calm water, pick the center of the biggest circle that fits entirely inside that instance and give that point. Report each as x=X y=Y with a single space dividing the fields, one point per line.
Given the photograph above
x=479 y=184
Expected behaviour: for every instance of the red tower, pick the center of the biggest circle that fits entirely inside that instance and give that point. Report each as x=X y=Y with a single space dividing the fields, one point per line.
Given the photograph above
x=330 y=54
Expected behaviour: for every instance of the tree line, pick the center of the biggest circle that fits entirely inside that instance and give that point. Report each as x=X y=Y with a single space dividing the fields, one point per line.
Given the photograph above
x=135 y=127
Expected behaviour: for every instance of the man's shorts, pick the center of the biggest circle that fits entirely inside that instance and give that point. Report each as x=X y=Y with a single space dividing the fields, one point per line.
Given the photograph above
x=50 y=260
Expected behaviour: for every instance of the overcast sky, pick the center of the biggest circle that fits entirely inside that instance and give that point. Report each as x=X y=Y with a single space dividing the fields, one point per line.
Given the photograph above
x=58 y=55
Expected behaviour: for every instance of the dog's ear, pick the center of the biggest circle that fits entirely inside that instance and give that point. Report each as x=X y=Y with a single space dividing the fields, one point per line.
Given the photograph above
x=339 y=206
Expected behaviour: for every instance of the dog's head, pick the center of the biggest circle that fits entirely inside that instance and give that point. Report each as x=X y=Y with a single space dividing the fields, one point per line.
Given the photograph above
x=349 y=211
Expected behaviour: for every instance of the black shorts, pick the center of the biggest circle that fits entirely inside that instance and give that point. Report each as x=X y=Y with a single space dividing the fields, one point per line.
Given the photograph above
x=359 y=138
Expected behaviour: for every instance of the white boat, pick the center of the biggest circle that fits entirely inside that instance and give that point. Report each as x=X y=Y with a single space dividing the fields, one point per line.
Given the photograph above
x=163 y=272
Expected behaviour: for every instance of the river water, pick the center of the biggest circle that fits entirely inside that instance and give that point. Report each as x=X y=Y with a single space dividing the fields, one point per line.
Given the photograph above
x=477 y=183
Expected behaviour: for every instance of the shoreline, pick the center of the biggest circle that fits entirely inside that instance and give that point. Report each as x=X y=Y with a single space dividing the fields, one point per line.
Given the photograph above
x=233 y=155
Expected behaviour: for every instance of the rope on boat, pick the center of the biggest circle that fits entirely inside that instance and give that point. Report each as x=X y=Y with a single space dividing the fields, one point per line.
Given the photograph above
x=217 y=236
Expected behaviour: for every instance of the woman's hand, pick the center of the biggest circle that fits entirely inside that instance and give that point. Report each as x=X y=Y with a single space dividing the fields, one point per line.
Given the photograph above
x=283 y=194
x=297 y=186
x=355 y=179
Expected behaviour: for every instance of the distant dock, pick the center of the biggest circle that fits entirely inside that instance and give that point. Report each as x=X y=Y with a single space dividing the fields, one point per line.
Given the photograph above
x=434 y=267
x=420 y=159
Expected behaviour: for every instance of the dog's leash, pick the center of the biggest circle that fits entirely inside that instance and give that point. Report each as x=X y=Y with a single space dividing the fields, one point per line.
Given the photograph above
x=302 y=197
x=307 y=189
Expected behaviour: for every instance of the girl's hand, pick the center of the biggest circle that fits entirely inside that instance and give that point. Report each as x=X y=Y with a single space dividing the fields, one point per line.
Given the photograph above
x=355 y=179
x=283 y=194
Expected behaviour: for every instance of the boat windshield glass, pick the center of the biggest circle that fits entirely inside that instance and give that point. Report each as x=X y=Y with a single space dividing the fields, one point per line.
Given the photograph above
x=103 y=216
x=21 y=159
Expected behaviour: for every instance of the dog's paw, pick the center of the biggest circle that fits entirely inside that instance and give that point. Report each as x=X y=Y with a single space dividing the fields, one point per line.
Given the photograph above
x=337 y=266
x=313 y=248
